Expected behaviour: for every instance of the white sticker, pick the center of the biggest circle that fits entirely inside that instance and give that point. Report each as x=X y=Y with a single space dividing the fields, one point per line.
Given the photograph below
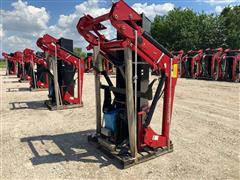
x=155 y=138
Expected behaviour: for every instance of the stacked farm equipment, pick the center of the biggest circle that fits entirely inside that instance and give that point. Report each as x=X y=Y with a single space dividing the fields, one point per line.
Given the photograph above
x=209 y=63
x=88 y=63
x=27 y=67
x=125 y=132
x=192 y=64
x=11 y=68
x=67 y=73
x=181 y=66
x=212 y=64
x=105 y=64
x=123 y=118
x=229 y=66
x=38 y=76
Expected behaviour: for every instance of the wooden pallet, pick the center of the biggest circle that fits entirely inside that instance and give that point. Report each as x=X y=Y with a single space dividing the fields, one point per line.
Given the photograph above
x=23 y=81
x=127 y=161
x=54 y=107
x=38 y=89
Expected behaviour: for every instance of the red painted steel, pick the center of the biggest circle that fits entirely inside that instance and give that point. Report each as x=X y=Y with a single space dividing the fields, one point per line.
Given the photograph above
x=223 y=73
x=209 y=63
x=88 y=63
x=30 y=57
x=179 y=56
x=192 y=61
x=50 y=45
x=124 y=19
x=8 y=57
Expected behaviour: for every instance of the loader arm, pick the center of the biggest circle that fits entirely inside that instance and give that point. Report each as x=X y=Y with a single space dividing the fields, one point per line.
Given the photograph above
x=30 y=56
x=124 y=19
x=49 y=44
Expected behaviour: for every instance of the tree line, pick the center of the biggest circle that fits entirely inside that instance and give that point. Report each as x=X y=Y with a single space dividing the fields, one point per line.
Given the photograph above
x=186 y=29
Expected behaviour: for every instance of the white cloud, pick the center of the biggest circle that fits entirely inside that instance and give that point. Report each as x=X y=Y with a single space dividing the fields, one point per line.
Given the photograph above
x=25 y=17
x=15 y=41
x=151 y=10
x=22 y=25
x=1 y=31
x=25 y=23
x=67 y=23
x=216 y=2
x=218 y=9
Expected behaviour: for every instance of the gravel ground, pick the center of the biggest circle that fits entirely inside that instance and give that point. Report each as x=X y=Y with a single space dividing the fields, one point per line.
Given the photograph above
x=40 y=144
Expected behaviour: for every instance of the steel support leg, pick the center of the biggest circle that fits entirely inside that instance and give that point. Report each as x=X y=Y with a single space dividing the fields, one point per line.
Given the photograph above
x=7 y=69
x=55 y=79
x=130 y=102
x=96 y=60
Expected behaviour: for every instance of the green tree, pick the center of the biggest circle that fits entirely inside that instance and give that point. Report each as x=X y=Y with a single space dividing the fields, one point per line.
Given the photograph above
x=177 y=30
x=78 y=52
x=210 y=32
x=185 y=29
x=230 y=17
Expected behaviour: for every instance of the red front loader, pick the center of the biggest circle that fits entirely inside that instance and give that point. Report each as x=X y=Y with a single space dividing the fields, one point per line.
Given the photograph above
x=193 y=64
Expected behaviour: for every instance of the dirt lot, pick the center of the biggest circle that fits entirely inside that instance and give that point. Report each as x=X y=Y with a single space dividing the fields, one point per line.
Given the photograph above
x=40 y=144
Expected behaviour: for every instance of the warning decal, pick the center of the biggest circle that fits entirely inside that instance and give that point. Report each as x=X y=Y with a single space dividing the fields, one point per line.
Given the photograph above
x=175 y=71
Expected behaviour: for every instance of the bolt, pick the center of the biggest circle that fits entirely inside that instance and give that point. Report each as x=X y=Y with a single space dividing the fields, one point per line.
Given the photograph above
x=130 y=16
x=123 y=28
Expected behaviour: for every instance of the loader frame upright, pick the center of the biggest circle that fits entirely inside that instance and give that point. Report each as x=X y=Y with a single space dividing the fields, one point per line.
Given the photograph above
x=193 y=63
x=127 y=134
x=209 y=64
x=39 y=79
x=65 y=65
x=11 y=68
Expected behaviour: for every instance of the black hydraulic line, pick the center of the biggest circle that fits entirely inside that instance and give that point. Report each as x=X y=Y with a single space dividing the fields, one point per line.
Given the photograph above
x=155 y=100
x=96 y=69
x=43 y=69
x=69 y=52
x=104 y=73
x=158 y=45
x=110 y=84
x=49 y=73
x=115 y=90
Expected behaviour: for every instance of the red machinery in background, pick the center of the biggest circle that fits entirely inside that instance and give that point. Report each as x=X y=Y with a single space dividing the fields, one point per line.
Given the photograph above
x=127 y=134
x=11 y=64
x=229 y=66
x=193 y=63
x=24 y=67
x=67 y=64
x=27 y=69
x=18 y=57
x=89 y=63
x=106 y=65
x=38 y=79
x=179 y=56
x=209 y=63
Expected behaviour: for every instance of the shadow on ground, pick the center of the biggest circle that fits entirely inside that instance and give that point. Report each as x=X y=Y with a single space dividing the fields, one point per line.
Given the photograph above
x=13 y=82
x=10 y=77
x=39 y=105
x=70 y=147
x=17 y=89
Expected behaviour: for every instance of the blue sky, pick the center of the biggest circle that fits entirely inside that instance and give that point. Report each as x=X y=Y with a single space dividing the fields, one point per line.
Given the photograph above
x=23 y=21
x=58 y=7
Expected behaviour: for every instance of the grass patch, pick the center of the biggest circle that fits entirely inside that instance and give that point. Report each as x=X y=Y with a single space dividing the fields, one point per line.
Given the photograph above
x=2 y=64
